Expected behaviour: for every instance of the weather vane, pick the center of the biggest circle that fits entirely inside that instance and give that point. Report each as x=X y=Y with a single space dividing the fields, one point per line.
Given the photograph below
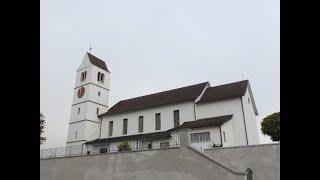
x=90 y=48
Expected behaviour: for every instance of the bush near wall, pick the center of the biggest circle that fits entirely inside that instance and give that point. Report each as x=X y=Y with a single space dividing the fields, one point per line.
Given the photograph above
x=124 y=146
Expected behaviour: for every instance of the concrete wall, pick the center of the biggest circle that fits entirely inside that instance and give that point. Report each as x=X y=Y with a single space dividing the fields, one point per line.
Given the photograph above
x=263 y=160
x=170 y=164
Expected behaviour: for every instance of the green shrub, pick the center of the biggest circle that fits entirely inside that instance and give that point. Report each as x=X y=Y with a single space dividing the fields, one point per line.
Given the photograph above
x=124 y=146
x=270 y=126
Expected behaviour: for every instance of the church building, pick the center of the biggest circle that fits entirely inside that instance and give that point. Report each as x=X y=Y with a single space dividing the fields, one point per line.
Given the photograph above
x=222 y=115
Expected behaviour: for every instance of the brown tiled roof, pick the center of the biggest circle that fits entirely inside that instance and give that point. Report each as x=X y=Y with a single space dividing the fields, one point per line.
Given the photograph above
x=202 y=123
x=147 y=136
x=97 y=62
x=174 y=96
x=225 y=91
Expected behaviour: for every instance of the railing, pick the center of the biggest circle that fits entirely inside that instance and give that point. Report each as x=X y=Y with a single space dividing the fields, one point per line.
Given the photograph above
x=82 y=150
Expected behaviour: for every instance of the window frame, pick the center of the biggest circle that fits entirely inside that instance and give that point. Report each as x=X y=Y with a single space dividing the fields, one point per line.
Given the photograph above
x=176 y=122
x=125 y=126
x=110 y=131
x=200 y=137
x=157 y=121
x=140 y=124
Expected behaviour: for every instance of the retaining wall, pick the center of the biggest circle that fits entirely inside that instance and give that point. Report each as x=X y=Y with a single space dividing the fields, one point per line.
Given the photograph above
x=263 y=159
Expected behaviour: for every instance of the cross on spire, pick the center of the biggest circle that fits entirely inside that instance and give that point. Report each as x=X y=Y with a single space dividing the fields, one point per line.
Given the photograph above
x=90 y=48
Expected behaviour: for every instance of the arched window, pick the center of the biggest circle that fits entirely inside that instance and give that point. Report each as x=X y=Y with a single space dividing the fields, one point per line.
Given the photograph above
x=83 y=76
x=99 y=76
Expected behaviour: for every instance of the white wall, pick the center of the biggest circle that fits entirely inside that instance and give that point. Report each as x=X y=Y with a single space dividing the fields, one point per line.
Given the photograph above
x=222 y=108
x=214 y=137
x=76 y=127
x=250 y=116
x=186 y=111
x=228 y=131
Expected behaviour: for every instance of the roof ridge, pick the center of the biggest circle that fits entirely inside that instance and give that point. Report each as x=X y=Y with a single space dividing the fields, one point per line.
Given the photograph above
x=229 y=83
x=163 y=91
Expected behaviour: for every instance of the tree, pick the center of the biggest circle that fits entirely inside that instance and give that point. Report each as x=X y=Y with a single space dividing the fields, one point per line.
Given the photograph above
x=270 y=126
x=124 y=146
x=42 y=125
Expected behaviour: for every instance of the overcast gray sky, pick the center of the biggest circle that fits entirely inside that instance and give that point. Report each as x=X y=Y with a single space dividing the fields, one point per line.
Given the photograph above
x=155 y=45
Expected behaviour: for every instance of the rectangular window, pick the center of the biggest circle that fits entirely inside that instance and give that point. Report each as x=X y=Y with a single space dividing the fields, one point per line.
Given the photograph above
x=199 y=137
x=176 y=118
x=125 y=126
x=158 y=121
x=99 y=93
x=110 y=128
x=224 y=136
x=103 y=150
x=164 y=144
x=248 y=100
x=78 y=110
x=140 y=128
x=97 y=111
x=76 y=135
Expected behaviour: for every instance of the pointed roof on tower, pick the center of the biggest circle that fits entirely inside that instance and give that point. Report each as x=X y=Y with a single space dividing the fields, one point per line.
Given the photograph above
x=97 y=62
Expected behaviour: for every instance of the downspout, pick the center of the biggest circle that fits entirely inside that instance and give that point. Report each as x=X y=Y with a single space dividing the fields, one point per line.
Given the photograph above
x=220 y=135
x=194 y=110
x=100 y=127
x=244 y=120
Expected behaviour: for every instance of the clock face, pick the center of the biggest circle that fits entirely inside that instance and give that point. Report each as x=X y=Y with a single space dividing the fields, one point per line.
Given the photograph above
x=81 y=92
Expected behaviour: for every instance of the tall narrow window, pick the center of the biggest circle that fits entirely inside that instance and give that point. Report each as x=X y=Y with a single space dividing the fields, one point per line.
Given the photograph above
x=176 y=118
x=99 y=93
x=224 y=136
x=248 y=100
x=97 y=111
x=78 y=110
x=110 y=128
x=140 y=129
x=158 y=121
x=98 y=78
x=125 y=126
x=76 y=135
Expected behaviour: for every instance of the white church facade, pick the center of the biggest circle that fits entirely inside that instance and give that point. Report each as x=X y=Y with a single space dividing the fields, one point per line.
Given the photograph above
x=224 y=115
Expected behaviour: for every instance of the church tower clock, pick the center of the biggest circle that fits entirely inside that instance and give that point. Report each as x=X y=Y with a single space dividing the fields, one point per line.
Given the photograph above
x=90 y=98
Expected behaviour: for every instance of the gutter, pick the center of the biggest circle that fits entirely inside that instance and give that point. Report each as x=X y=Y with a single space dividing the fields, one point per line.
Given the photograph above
x=244 y=120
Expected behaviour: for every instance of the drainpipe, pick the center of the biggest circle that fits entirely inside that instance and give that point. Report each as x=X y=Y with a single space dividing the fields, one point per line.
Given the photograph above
x=244 y=120
x=100 y=127
x=194 y=110
x=220 y=135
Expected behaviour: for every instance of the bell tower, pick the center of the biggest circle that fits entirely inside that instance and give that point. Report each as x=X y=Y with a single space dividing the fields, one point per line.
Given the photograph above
x=90 y=98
